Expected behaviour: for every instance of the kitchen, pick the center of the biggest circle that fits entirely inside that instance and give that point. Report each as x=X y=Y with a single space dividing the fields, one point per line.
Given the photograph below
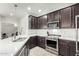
x=27 y=29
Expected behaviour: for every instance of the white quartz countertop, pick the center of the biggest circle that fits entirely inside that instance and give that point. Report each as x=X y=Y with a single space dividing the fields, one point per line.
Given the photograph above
x=66 y=38
x=9 y=48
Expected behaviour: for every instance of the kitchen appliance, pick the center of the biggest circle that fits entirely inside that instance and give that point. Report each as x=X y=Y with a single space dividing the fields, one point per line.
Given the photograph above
x=76 y=27
x=52 y=44
x=53 y=25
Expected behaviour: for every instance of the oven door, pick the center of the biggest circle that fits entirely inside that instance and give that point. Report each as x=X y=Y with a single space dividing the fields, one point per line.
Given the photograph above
x=52 y=44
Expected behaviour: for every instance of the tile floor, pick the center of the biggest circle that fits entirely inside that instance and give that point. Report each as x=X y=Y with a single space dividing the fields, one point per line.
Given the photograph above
x=37 y=51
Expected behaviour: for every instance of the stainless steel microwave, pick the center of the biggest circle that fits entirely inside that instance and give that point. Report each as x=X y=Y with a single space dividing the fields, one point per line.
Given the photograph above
x=53 y=25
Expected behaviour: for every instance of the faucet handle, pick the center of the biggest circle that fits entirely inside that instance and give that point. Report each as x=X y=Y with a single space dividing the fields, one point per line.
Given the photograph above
x=47 y=33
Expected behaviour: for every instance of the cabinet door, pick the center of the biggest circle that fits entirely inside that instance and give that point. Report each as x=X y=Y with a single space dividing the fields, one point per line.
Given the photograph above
x=76 y=9
x=73 y=17
x=42 y=22
x=67 y=48
x=66 y=18
x=41 y=42
x=72 y=48
x=50 y=17
x=33 y=22
x=76 y=12
x=63 y=48
x=32 y=42
x=57 y=15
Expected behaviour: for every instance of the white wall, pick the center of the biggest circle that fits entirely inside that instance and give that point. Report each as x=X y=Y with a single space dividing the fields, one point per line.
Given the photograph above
x=8 y=25
x=11 y=20
x=24 y=25
x=8 y=29
x=0 y=27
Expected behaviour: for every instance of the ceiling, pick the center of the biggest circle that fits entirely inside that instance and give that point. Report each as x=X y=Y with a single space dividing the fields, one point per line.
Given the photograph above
x=7 y=8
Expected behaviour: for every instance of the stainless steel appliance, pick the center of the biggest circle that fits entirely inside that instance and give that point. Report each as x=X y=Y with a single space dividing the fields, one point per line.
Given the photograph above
x=53 y=25
x=77 y=27
x=52 y=44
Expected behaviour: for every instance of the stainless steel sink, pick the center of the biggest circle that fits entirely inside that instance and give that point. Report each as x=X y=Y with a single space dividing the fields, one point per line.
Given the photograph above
x=19 y=39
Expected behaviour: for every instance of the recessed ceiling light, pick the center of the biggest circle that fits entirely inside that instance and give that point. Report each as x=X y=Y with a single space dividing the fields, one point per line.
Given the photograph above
x=39 y=10
x=15 y=25
x=29 y=8
x=11 y=14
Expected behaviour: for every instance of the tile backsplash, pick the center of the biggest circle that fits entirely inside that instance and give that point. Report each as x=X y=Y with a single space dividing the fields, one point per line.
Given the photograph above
x=67 y=33
x=38 y=32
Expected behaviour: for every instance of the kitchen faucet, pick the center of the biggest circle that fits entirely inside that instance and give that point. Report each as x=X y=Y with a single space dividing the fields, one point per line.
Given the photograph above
x=14 y=37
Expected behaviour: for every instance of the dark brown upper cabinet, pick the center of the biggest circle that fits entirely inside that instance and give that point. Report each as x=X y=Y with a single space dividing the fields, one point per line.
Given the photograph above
x=33 y=22
x=42 y=22
x=57 y=15
x=72 y=17
x=38 y=22
x=66 y=18
x=76 y=9
x=75 y=12
x=53 y=16
x=50 y=17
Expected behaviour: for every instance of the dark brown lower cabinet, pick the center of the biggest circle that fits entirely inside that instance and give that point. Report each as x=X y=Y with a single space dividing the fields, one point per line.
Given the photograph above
x=41 y=42
x=67 y=48
x=72 y=48
x=32 y=42
x=36 y=41
x=63 y=49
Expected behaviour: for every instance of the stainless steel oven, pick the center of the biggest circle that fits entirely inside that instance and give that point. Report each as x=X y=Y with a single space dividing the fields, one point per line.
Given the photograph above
x=52 y=44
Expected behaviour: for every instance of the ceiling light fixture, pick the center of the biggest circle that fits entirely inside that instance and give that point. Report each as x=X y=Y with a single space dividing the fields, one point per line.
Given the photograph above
x=15 y=25
x=11 y=14
x=39 y=10
x=14 y=13
x=29 y=8
x=15 y=6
